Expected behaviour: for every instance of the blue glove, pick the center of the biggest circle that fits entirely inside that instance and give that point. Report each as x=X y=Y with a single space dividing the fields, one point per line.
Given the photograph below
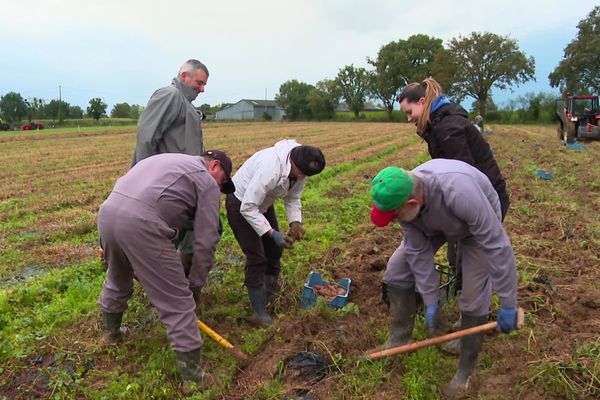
x=431 y=318
x=280 y=240
x=507 y=319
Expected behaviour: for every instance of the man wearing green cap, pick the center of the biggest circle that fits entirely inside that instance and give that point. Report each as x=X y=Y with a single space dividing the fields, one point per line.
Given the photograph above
x=445 y=200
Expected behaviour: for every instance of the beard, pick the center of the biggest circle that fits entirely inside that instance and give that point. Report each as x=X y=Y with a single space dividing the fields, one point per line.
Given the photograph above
x=409 y=214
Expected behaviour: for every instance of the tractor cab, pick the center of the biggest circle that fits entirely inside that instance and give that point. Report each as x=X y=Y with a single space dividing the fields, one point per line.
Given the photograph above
x=578 y=117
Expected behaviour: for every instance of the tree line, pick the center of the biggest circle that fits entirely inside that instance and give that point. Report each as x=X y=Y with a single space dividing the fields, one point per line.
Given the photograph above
x=15 y=108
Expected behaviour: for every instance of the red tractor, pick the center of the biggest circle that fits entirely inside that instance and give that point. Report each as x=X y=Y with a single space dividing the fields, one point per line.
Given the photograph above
x=578 y=118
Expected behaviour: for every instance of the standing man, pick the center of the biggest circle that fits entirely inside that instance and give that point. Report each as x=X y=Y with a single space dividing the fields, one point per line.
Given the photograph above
x=438 y=201
x=137 y=225
x=171 y=124
x=276 y=172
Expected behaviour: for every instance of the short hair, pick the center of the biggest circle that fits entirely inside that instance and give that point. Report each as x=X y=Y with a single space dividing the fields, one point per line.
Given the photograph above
x=191 y=66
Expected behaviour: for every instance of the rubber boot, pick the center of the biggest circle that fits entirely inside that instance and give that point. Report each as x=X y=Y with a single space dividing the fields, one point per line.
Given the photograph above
x=462 y=383
x=403 y=306
x=111 y=326
x=258 y=300
x=272 y=286
x=192 y=375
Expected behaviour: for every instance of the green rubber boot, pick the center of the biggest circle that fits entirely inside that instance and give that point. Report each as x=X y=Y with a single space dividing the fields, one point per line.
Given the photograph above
x=462 y=384
x=111 y=326
x=258 y=300
x=194 y=378
x=403 y=307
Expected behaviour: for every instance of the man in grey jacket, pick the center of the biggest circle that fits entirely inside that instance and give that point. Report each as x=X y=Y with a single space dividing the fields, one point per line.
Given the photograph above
x=445 y=200
x=137 y=225
x=171 y=124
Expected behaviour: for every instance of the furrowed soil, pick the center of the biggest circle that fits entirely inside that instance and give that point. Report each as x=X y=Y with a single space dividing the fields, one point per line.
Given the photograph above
x=52 y=185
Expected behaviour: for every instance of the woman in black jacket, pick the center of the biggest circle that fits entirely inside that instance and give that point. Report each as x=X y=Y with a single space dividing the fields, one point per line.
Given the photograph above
x=449 y=133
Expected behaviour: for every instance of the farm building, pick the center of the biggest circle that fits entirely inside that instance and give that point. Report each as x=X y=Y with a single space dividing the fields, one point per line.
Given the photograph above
x=368 y=106
x=252 y=109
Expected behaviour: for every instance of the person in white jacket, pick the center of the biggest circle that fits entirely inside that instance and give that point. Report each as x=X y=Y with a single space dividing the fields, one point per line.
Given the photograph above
x=275 y=172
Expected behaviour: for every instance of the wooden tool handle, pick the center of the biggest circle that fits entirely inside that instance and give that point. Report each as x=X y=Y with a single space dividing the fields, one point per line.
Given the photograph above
x=375 y=354
x=429 y=342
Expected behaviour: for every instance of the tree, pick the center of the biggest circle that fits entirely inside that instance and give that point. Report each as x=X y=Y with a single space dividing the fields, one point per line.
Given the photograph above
x=292 y=97
x=135 y=111
x=97 y=108
x=353 y=84
x=400 y=63
x=13 y=107
x=35 y=107
x=486 y=60
x=75 y=112
x=579 y=70
x=323 y=99
x=120 y=110
x=51 y=109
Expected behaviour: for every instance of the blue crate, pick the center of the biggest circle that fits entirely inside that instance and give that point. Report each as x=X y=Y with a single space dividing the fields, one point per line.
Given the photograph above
x=309 y=298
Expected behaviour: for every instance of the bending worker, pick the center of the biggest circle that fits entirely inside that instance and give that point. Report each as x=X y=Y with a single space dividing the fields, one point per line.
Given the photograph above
x=438 y=201
x=275 y=172
x=137 y=225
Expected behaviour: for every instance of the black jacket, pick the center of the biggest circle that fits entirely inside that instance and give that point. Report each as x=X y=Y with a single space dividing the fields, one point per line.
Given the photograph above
x=451 y=135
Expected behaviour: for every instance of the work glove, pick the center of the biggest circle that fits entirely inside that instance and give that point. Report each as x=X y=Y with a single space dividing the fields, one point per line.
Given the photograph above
x=281 y=240
x=297 y=230
x=432 y=318
x=507 y=319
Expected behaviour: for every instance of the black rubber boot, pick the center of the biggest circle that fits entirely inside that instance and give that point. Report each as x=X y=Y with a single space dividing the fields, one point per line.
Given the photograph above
x=192 y=375
x=258 y=300
x=462 y=383
x=272 y=286
x=111 y=326
x=403 y=306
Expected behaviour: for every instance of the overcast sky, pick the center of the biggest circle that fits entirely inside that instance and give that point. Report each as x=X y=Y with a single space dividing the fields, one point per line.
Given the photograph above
x=123 y=50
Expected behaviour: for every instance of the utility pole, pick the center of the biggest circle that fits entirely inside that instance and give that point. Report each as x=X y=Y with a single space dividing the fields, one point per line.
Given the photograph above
x=60 y=119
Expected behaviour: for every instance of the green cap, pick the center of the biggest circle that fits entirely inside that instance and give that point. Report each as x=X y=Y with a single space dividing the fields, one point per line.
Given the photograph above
x=391 y=187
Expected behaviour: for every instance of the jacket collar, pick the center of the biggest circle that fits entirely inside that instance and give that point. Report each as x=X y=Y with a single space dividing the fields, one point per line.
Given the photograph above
x=189 y=93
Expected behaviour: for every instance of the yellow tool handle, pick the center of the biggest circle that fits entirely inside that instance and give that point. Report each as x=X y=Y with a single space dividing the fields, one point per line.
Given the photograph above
x=217 y=338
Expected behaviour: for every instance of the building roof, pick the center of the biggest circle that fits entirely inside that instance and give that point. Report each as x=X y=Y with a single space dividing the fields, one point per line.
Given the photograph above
x=368 y=106
x=261 y=103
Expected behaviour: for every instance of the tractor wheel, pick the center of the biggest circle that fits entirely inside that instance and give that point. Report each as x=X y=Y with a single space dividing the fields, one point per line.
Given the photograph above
x=559 y=132
x=571 y=131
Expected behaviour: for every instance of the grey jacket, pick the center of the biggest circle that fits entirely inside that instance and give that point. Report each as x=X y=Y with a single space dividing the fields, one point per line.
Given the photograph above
x=460 y=202
x=169 y=123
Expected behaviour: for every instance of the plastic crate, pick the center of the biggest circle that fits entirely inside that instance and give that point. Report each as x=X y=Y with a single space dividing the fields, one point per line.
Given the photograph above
x=309 y=298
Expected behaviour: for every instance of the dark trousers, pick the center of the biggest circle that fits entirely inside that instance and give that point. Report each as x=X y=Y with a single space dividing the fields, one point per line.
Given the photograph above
x=262 y=254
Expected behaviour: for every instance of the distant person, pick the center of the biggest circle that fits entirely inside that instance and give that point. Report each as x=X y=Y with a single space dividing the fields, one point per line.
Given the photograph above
x=138 y=223
x=171 y=124
x=478 y=122
x=275 y=172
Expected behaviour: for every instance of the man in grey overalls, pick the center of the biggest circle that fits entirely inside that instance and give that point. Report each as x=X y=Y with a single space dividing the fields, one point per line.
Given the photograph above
x=445 y=200
x=137 y=225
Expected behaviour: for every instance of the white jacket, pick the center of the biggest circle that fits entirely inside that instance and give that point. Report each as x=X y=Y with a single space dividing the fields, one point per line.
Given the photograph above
x=262 y=179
